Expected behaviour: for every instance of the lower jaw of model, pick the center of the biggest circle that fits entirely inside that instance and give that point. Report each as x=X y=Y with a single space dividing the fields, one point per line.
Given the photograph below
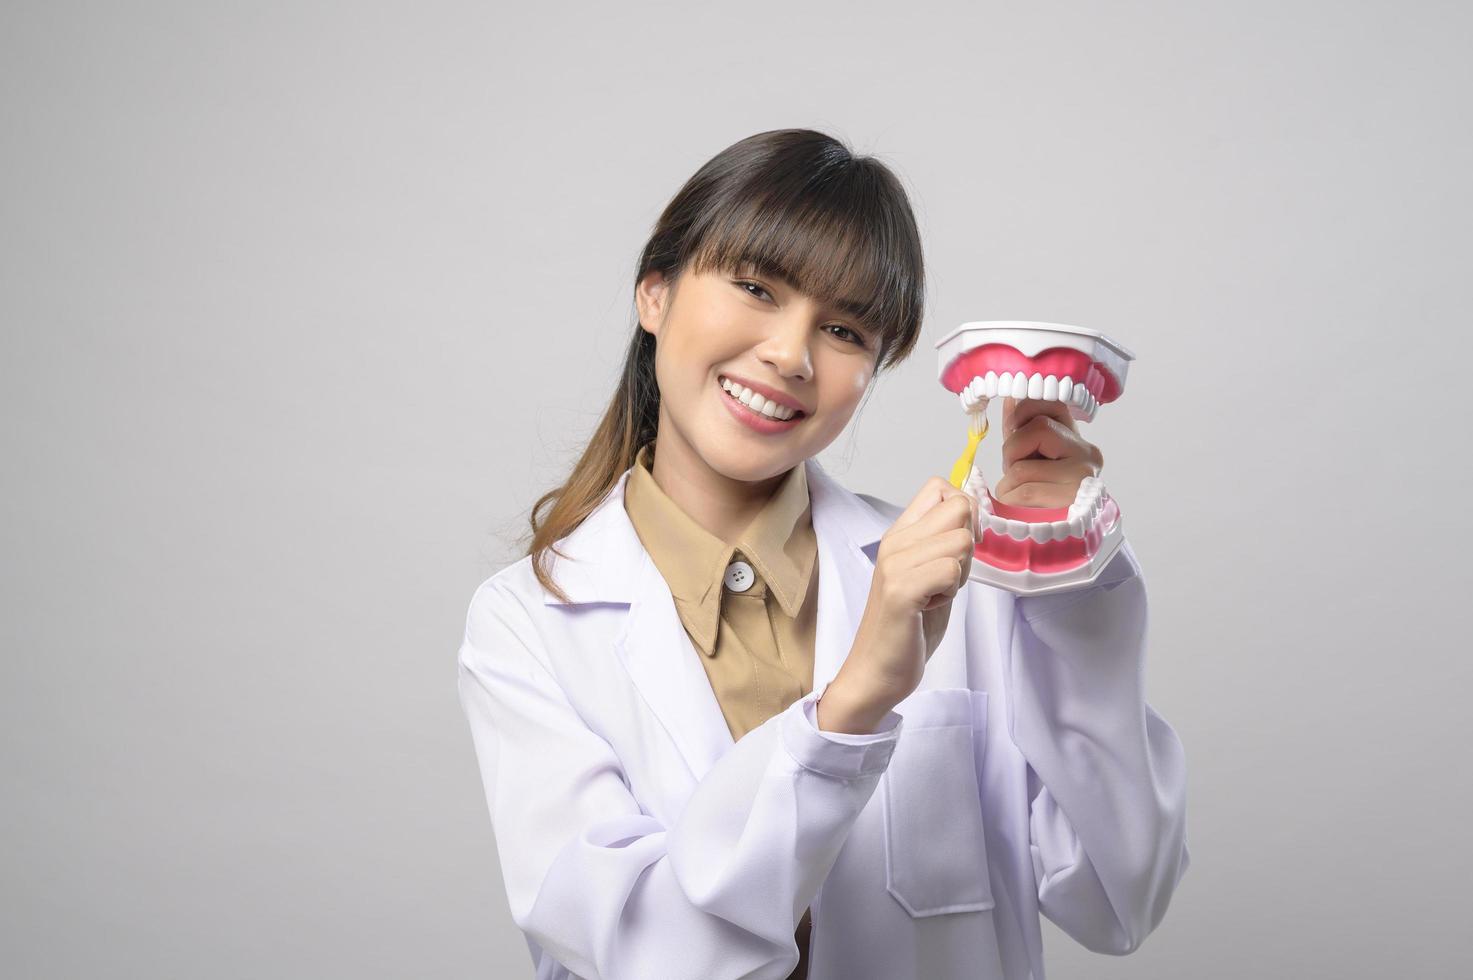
x=1034 y=550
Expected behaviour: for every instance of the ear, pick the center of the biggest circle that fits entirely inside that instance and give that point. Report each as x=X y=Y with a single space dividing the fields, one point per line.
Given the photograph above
x=651 y=295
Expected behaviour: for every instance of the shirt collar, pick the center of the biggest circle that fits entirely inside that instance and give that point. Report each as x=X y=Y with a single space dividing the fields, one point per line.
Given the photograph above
x=779 y=543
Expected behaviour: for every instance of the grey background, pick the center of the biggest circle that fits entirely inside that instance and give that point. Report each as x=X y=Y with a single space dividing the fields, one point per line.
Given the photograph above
x=305 y=304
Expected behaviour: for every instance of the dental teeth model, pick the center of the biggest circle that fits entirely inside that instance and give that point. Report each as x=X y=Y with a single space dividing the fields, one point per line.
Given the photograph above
x=1035 y=550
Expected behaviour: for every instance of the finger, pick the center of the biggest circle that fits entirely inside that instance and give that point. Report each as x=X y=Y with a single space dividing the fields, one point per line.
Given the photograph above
x=1031 y=494
x=1065 y=472
x=1041 y=483
x=1044 y=437
x=958 y=510
x=1029 y=408
x=940 y=581
x=932 y=492
x=956 y=542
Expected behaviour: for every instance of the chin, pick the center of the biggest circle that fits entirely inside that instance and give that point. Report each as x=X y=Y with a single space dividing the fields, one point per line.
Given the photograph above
x=748 y=464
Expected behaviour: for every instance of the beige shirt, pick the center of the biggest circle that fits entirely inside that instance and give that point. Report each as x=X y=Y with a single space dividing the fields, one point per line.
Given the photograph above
x=756 y=644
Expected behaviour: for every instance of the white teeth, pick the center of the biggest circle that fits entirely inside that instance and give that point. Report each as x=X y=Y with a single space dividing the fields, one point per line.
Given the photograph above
x=1088 y=505
x=756 y=402
x=977 y=487
x=1087 y=501
x=1020 y=385
x=972 y=393
x=1083 y=514
x=1081 y=399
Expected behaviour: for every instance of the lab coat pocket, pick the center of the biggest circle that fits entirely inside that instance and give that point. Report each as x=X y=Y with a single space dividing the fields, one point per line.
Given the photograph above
x=935 y=848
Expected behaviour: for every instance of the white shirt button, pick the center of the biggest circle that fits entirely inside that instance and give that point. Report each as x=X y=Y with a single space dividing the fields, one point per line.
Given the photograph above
x=739 y=576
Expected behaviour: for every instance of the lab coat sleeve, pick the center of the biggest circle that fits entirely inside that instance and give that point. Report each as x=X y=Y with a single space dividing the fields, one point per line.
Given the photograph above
x=607 y=889
x=1106 y=773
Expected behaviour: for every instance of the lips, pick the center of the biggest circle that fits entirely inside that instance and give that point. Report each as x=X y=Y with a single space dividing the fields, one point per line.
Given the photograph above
x=756 y=421
x=755 y=398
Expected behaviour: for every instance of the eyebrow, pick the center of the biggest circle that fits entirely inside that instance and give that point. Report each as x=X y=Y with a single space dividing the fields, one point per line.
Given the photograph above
x=777 y=270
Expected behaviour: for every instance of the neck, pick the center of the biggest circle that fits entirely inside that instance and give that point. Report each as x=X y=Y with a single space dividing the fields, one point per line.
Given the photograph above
x=717 y=502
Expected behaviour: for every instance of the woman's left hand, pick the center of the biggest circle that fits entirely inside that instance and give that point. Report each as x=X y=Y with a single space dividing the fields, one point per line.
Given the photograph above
x=1044 y=458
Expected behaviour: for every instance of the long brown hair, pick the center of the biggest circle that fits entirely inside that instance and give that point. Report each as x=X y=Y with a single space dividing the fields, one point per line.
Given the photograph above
x=790 y=202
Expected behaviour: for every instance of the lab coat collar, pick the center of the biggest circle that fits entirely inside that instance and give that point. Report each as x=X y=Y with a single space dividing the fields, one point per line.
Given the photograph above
x=778 y=540
x=607 y=564
x=601 y=550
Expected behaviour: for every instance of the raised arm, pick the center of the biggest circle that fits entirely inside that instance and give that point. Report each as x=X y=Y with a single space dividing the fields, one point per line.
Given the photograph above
x=1107 y=780
x=613 y=893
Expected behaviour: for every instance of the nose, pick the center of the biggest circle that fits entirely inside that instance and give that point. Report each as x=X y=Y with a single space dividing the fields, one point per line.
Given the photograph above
x=786 y=348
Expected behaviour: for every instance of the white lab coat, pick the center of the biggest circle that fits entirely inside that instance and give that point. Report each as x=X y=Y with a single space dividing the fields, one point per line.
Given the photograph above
x=637 y=841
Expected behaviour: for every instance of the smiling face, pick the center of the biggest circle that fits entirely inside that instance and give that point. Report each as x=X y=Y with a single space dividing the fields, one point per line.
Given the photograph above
x=728 y=342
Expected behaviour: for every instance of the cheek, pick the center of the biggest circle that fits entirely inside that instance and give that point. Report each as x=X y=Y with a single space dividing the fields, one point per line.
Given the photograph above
x=717 y=333
x=846 y=387
x=684 y=348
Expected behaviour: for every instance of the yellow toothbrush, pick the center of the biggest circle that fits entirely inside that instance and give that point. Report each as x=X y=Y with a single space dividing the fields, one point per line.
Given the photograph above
x=976 y=429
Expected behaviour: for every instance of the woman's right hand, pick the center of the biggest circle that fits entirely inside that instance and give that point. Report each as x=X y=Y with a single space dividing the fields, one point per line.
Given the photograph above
x=922 y=562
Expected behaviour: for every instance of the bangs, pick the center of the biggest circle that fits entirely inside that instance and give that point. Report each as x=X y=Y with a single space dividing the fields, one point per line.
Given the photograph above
x=841 y=235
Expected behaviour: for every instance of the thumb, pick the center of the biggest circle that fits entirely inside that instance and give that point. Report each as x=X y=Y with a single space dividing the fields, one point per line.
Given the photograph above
x=1009 y=406
x=932 y=493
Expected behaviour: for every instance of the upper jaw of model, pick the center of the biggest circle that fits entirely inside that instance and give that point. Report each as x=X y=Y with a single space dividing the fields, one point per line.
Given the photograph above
x=1029 y=359
x=1032 y=550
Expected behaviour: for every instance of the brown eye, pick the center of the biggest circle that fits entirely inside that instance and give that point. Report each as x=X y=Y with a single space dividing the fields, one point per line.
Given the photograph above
x=759 y=289
x=856 y=338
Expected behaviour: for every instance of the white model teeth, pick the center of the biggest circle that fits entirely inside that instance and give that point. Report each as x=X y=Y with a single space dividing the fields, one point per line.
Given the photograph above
x=756 y=402
x=977 y=487
x=1020 y=385
x=1083 y=513
x=1089 y=500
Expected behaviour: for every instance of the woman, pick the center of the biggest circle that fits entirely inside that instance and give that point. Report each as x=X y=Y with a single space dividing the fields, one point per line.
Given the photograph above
x=734 y=720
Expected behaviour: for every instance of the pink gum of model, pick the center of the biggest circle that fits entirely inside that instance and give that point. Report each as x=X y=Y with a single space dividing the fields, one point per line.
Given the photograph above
x=1036 y=550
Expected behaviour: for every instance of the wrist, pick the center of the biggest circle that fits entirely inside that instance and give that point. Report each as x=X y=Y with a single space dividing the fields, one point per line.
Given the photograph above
x=845 y=708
